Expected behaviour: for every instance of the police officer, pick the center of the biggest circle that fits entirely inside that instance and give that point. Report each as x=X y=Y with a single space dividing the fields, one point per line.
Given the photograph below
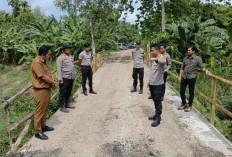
x=156 y=83
x=188 y=76
x=42 y=81
x=167 y=65
x=66 y=76
x=138 y=68
x=85 y=58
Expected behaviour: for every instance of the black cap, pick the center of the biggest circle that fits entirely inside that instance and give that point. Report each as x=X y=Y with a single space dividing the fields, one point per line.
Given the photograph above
x=86 y=45
x=65 y=46
x=138 y=42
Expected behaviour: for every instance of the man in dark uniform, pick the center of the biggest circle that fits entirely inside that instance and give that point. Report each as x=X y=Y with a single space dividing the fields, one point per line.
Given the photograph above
x=168 y=64
x=85 y=58
x=42 y=81
x=156 y=83
x=138 y=68
x=188 y=76
x=66 y=76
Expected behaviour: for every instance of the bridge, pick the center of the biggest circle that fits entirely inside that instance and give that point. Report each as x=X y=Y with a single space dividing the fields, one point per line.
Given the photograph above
x=114 y=123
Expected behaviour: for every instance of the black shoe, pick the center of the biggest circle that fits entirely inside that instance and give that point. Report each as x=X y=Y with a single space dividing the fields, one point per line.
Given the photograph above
x=133 y=90
x=63 y=109
x=156 y=122
x=92 y=92
x=85 y=93
x=47 y=128
x=150 y=97
x=70 y=106
x=41 y=136
x=153 y=118
x=141 y=91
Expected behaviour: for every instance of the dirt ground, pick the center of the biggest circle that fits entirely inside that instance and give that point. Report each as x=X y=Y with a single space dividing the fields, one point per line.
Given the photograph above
x=114 y=123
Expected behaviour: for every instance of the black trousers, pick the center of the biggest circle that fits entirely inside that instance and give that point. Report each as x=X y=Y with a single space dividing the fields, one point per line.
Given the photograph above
x=87 y=73
x=157 y=93
x=165 y=80
x=65 y=91
x=184 y=83
x=136 y=72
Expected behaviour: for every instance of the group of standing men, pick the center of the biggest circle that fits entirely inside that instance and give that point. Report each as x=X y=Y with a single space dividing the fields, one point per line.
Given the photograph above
x=161 y=64
x=43 y=82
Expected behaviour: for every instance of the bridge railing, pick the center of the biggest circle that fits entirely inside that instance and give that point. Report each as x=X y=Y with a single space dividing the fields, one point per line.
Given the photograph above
x=98 y=59
x=212 y=99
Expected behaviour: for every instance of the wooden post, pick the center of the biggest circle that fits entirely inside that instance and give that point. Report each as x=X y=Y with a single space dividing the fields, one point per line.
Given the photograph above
x=9 y=123
x=147 y=54
x=213 y=96
x=15 y=146
x=149 y=51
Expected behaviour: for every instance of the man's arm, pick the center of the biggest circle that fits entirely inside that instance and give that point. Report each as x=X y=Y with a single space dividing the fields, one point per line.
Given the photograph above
x=181 y=72
x=59 y=71
x=132 y=54
x=203 y=69
x=180 y=75
x=75 y=62
x=49 y=80
x=38 y=70
x=80 y=61
x=169 y=63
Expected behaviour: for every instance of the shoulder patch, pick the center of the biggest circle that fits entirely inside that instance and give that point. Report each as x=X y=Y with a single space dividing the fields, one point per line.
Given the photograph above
x=144 y=53
x=60 y=59
x=162 y=57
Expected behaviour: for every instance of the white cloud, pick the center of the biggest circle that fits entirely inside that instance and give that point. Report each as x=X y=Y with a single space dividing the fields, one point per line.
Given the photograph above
x=4 y=6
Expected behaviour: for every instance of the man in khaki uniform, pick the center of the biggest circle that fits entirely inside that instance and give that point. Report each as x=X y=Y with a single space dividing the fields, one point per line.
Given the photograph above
x=138 y=67
x=167 y=66
x=42 y=81
x=85 y=58
x=156 y=83
x=66 y=76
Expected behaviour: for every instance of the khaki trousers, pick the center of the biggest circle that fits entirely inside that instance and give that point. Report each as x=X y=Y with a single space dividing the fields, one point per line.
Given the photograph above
x=42 y=98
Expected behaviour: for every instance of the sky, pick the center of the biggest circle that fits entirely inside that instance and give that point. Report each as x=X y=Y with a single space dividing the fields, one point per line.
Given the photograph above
x=49 y=8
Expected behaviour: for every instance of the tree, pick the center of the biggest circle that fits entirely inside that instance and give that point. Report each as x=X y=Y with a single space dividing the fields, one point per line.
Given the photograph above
x=163 y=15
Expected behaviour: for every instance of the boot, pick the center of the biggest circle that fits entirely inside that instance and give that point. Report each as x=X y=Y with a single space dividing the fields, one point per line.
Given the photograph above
x=63 y=109
x=150 y=97
x=141 y=91
x=153 y=117
x=156 y=121
x=92 y=92
x=134 y=90
x=85 y=93
x=68 y=105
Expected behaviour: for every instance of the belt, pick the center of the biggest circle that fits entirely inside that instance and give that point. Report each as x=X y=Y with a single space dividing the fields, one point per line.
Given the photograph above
x=86 y=66
x=41 y=88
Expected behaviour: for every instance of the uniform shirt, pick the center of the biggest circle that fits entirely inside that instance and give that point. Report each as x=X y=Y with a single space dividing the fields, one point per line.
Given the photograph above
x=168 y=64
x=190 y=66
x=65 y=67
x=138 y=56
x=86 y=58
x=157 y=71
x=39 y=68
